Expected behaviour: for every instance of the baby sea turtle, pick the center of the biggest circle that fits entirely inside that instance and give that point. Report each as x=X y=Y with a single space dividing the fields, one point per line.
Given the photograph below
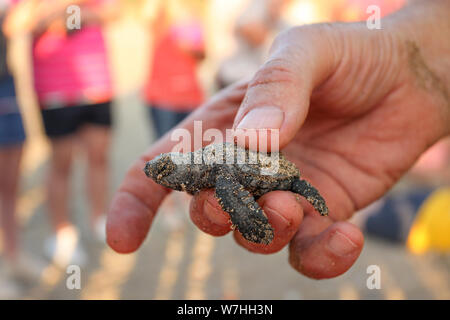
x=239 y=177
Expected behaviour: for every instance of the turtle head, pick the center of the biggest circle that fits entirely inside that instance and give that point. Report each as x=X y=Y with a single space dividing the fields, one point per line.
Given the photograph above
x=169 y=169
x=160 y=168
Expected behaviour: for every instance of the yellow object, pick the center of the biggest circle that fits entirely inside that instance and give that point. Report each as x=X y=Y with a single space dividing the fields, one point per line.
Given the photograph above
x=431 y=228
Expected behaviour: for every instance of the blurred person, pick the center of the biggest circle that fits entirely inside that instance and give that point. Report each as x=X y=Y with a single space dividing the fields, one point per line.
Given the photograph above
x=255 y=29
x=355 y=108
x=173 y=89
x=16 y=263
x=74 y=90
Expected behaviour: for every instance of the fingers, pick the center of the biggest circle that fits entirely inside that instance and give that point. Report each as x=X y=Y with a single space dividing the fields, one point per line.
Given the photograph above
x=322 y=249
x=318 y=249
x=283 y=211
x=207 y=214
x=278 y=95
x=285 y=215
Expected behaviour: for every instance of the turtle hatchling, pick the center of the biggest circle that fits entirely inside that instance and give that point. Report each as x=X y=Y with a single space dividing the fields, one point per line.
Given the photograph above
x=239 y=177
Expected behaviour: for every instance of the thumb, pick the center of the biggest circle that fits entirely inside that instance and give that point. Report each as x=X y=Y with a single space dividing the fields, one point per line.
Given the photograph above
x=278 y=95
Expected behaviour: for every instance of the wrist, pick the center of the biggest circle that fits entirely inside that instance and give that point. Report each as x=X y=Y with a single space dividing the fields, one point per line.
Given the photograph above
x=423 y=33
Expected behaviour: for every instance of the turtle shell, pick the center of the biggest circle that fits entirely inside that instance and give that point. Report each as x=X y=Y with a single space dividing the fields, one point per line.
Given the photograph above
x=268 y=165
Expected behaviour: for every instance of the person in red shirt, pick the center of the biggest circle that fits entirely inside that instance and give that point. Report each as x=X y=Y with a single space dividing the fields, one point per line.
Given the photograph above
x=173 y=90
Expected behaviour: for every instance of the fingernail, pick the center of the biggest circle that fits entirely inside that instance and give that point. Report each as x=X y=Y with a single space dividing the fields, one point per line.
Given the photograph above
x=262 y=118
x=341 y=245
x=214 y=215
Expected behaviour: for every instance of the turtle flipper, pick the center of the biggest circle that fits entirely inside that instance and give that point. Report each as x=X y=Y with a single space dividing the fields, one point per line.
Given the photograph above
x=244 y=211
x=306 y=190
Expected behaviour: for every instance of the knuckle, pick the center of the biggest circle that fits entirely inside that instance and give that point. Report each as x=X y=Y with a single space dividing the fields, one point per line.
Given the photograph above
x=310 y=40
x=316 y=31
x=275 y=70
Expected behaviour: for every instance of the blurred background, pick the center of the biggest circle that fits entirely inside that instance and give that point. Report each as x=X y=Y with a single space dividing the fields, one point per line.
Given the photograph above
x=79 y=105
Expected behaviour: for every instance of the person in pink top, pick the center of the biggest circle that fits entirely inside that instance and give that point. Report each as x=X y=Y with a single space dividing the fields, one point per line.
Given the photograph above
x=70 y=66
x=74 y=91
x=173 y=90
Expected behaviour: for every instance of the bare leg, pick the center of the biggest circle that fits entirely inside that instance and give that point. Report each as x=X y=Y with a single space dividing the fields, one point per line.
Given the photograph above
x=9 y=173
x=96 y=140
x=58 y=181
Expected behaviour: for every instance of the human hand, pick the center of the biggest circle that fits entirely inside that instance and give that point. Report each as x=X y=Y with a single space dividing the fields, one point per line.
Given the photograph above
x=355 y=109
